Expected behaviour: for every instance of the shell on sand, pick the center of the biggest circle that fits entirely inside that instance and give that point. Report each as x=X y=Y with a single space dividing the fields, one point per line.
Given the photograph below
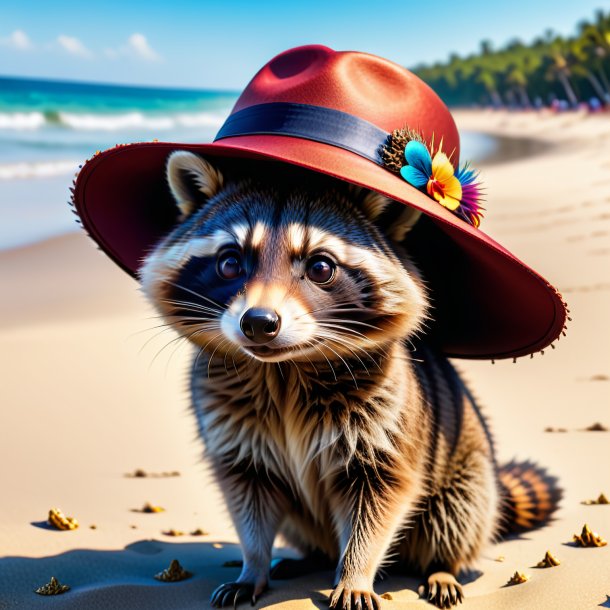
x=589 y=538
x=53 y=587
x=60 y=521
x=150 y=508
x=174 y=532
x=601 y=499
x=549 y=561
x=518 y=578
x=199 y=532
x=174 y=573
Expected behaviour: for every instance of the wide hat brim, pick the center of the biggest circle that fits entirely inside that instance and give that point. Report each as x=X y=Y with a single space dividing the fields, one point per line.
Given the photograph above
x=487 y=304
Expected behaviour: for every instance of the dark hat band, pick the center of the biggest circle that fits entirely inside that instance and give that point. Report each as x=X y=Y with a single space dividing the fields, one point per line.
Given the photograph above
x=309 y=122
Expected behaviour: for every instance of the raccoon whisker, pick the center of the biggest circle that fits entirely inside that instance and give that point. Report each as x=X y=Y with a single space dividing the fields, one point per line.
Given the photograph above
x=330 y=324
x=310 y=343
x=324 y=309
x=146 y=330
x=191 y=320
x=191 y=306
x=177 y=312
x=175 y=339
x=338 y=310
x=336 y=305
x=347 y=366
x=202 y=349
x=176 y=301
x=158 y=334
x=295 y=364
x=165 y=327
x=411 y=345
x=355 y=332
x=343 y=340
x=182 y=311
x=368 y=355
x=234 y=364
x=219 y=306
x=176 y=347
x=327 y=360
x=210 y=341
x=225 y=362
x=212 y=355
x=199 y=352
x=353 y=322
x=168 y=326
x=344 y=344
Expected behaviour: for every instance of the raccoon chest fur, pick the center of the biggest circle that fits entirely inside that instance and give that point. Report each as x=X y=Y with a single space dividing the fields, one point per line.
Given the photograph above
x=307 y=425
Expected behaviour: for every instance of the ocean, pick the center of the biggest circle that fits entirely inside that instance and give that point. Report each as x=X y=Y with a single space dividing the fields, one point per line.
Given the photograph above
x=48 y=128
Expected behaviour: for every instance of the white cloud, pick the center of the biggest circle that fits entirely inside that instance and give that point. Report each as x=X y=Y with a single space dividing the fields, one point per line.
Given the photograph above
x=138 y=46
x=18 y=40
x=73 y=46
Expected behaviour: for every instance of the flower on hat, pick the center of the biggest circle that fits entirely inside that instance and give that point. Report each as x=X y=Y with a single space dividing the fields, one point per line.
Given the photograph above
x=436 y=174
x=471 y=194
x=457 y=191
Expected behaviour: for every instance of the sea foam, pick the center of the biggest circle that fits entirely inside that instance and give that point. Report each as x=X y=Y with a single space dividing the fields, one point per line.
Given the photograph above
x=22 y=120
x=41 y=169
x=125 y=121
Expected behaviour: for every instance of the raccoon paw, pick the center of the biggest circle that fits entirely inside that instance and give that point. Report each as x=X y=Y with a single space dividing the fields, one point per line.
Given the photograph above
x=231 y=593
x=343 y=598
x=444 y=591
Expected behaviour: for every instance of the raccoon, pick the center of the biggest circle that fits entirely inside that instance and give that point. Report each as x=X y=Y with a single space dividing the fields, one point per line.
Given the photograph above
x=326 y=414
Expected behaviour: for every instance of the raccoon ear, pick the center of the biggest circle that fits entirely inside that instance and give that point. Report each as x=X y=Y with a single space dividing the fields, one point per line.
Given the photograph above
x=192 y=180
x=373 y=204
x=395 y=219
x=399 y=227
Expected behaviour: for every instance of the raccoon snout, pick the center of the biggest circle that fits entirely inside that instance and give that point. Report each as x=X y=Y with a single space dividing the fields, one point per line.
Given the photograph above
x=260 y=325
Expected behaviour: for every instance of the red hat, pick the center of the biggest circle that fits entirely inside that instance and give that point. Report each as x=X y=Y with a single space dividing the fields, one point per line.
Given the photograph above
x=333 y=113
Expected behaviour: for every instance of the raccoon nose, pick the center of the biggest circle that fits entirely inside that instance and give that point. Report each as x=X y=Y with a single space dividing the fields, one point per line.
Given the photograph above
x=260 y=325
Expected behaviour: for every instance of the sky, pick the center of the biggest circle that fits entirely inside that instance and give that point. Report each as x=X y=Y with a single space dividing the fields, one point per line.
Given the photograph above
x=221 y=44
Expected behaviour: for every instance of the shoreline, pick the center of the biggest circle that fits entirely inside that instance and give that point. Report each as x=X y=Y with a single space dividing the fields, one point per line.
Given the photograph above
x=23 y=195
x=23 y=198
x=87 y=398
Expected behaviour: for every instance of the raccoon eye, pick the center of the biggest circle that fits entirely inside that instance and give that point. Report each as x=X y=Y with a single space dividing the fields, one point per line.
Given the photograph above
x=321 y=269
x=229 y=265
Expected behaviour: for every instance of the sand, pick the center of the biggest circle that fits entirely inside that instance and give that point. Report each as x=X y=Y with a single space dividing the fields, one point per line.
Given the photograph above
x=85 y=399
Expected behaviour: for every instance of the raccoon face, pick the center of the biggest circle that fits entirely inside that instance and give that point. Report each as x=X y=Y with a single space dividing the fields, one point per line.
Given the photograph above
x=281 y=265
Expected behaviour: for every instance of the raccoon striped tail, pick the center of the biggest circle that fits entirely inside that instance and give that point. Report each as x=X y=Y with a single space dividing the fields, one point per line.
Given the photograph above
x=530 y=496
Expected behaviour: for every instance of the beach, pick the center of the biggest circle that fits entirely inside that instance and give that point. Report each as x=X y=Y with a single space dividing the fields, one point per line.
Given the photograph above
x=92 y=390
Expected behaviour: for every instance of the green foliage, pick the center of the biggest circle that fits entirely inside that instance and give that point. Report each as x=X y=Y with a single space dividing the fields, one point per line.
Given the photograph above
x=551 y=67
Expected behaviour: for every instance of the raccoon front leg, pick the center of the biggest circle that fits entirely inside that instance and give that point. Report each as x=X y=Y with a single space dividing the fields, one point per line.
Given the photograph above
x=370 y=506
x=257 y=505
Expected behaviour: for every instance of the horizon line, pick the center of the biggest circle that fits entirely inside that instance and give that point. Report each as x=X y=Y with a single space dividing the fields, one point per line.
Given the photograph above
x=70 y=81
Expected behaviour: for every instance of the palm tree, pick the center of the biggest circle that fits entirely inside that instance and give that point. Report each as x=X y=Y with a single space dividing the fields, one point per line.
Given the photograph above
x=578 y=66
x=580 y=50
x=559 y=68
x=489 y=80
x=594 y=44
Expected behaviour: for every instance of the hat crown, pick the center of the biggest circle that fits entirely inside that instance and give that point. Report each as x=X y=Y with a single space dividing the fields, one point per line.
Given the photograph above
x=364 y=85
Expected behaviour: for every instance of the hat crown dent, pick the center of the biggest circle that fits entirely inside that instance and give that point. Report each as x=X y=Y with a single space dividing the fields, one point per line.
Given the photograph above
x=364 y=85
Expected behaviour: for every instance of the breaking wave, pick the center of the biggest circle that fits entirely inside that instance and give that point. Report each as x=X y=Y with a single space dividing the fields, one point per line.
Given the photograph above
x=39 y=169
x=29 y=121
